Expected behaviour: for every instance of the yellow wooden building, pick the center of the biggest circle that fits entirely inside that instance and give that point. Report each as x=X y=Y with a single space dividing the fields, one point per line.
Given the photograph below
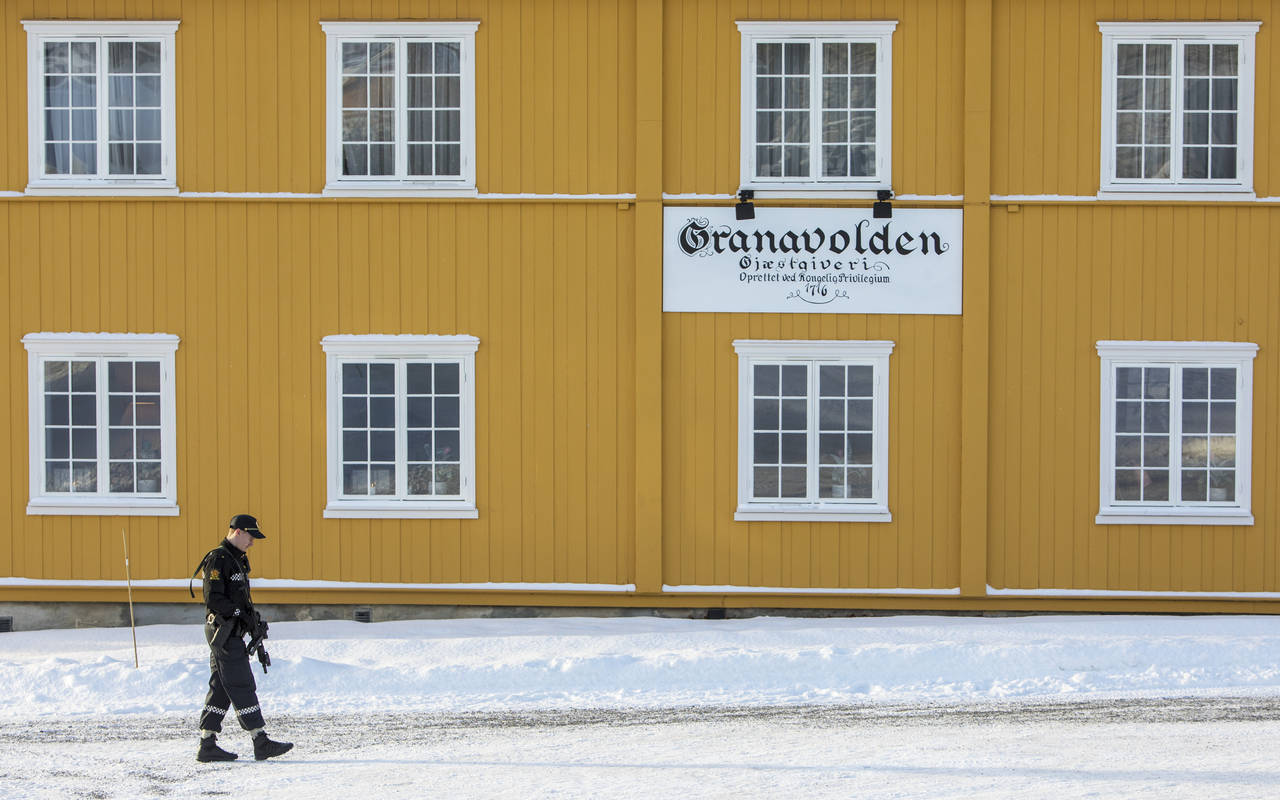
x=579 y=303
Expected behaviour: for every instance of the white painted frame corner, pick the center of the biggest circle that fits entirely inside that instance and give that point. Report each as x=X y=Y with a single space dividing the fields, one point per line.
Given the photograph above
x=131 y=346
x=339 y=348
x=878 y=31
x=103 y=30
x=338 y=185
x=1239 y=355
x=875 y=353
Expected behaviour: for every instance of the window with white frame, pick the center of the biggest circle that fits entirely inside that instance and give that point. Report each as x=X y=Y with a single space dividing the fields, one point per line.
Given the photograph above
x=1177 y=106
x=1176 y=432
x=101 y=106
x=401 y=106
x=102 y=424
x=813 y=425
x=816 y=98
x=401 y=426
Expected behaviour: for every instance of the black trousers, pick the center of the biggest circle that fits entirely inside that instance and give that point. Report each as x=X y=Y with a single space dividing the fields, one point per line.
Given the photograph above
x=231 y=685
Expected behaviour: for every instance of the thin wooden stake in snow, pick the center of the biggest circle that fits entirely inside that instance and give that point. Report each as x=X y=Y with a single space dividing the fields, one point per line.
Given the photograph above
x=129 y=580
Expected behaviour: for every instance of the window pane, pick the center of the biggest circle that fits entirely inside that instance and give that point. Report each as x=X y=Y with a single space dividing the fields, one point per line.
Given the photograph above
x=84 y=57
x=57 y=476
x=382 y=446
x=1129 y=59
x=769 y=58
x=420 y=479
x=448 y=446
x=796 y=58
x=448 y=58
x=1155 y=162
x=766 y=448
x=1224 y=94
x=146 y=409
x=1155 y=451
x=863 y=58
x=84 y=442
x=84 y=476
x=1223 y=383
x=382 y=379
x=1222 y=417
x=1226 y=58
x=1195 y=128
x=831 y=482
x=121 y=473
x=1222 y=163
x=860 y=414
x=860 y=449
x=1155 y=485
x=84 y=409
x=419 y=415
x=57 y=443
x=355 y=445
x=1195 y=417
x=1222 y=486
x=355 y=58
x=382 y=479
x=831 y=415
x=1222 y=451
x=355 y=412
x=765 y=483
x=355 y=479
x=766 y=414
x=1128 y=451
x=1195 y=94
x=1155 y=418
x=1128 y=162
x=382 y=412
x=1195 y=451
x=859 y=483
x=446 y=412
x=1195 y=486
x=835 y=58
x=147 y=158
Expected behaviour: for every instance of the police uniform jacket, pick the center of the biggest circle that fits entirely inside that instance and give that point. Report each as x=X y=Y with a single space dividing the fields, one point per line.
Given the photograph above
x=226 y=584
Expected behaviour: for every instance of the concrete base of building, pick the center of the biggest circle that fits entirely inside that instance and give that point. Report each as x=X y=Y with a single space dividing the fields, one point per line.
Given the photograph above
x=31 y=616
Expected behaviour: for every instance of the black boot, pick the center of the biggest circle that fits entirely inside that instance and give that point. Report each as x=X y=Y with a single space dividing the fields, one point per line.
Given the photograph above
x=209 y=751
x=264 y=748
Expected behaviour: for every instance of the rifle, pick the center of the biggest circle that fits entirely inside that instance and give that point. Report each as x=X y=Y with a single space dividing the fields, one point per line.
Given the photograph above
x=255 y=642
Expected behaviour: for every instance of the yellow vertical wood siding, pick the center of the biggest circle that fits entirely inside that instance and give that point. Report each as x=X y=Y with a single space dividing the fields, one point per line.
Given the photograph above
x=555 y=110
x=252 y=287
x=703 y=91
x=705 y=546
x=1048 y=89
x=1064 y=278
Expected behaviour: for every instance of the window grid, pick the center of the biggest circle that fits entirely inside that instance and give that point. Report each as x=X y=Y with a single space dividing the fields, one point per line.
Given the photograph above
x=401 y=108
x=401 y=429
x=1190 y=411
x=133 y=426
x=806 y=86
x=79 y=449
x=812 y=431
x=1176 y=111
x=77 y=112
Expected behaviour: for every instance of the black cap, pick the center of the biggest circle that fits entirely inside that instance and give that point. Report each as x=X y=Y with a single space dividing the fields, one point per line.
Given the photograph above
x=247 y=524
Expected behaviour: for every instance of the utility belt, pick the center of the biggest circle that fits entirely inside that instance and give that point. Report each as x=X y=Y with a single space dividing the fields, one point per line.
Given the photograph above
x=226 y=628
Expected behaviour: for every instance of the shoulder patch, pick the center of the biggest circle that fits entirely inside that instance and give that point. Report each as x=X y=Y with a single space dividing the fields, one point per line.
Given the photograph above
x=214 y=575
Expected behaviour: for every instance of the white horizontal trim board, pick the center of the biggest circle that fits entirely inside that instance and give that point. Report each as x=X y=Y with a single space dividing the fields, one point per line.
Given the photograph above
x=695 y=589
x=1135 y=197
x=287 y=583
x=1121 y=594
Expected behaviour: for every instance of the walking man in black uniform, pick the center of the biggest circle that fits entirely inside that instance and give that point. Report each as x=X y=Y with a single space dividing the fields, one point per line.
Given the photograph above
x=231 y=616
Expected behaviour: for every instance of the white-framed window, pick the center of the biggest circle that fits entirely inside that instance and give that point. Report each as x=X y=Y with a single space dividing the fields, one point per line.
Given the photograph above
x=102 y=424
x=1177 y=106
x=401 y=426
x=401 y=107
x=101 y=108
x=1177 y=422
x=816 y=100
x=813 y=430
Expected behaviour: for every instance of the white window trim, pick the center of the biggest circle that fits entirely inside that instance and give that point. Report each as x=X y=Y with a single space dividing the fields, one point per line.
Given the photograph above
x=881 y=32
x=1237 y=354
x=40 y=184
x=831 y=510
x=1240 y=33
x=341 y=347
x=336 y=185
x=134 y=346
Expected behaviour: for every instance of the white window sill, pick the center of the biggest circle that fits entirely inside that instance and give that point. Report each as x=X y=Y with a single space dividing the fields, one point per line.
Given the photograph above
x=811 y=512
x=102 y=188
x=1196 y=194
x=102 y=507
x=402 y=509
x=375 y=190
x=1169 y=516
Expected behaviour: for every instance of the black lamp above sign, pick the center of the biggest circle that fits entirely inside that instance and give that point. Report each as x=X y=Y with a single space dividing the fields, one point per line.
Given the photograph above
x=745 y=209
x=882 y=208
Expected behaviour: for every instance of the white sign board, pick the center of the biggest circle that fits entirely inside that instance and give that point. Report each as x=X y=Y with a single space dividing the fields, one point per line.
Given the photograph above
x=812 y=260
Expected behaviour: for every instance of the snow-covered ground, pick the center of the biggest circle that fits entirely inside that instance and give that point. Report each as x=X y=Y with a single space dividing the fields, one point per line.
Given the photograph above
x=913 y=706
